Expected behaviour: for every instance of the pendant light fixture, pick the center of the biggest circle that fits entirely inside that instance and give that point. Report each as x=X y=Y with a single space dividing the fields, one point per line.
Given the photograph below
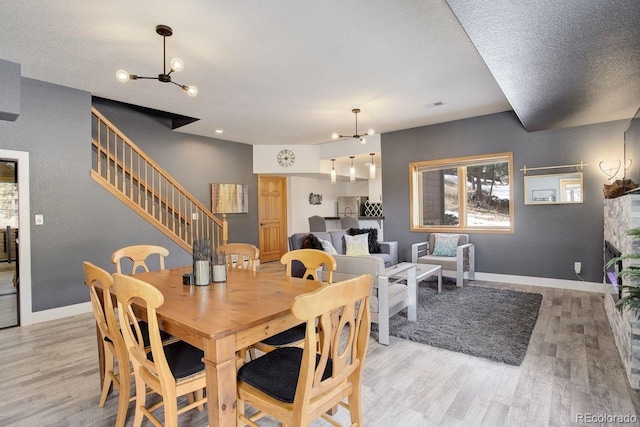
x=372 y=167
x=334 y=176
x=175 y=65
x=352 y=171
x=357 y=136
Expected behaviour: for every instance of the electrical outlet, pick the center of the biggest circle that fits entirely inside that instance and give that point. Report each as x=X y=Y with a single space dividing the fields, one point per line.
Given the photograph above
x=577 y=266
x=39 y=219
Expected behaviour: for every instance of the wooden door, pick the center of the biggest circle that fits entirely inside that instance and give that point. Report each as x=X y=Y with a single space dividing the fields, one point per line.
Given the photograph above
x=272 y=212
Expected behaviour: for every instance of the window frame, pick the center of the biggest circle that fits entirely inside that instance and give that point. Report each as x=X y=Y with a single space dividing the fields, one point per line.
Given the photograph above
x=461 y=163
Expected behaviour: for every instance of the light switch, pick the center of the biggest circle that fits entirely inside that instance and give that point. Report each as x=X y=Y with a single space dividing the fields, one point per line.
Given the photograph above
x=39 y=219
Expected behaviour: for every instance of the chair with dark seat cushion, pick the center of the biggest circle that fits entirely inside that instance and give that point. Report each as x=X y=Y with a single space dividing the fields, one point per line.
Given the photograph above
x=312 y=261
x=99 y=283
x=171 y=370
x=298 y=385
x=138 y=255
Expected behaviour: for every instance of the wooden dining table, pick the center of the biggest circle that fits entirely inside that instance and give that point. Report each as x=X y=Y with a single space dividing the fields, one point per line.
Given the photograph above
x=222 y=318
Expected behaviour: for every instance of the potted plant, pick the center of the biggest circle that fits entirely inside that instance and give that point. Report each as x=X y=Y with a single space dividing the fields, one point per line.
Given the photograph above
x=631 y=298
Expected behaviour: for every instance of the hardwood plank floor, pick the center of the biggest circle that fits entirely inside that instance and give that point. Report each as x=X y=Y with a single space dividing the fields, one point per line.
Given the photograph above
x=49 y=375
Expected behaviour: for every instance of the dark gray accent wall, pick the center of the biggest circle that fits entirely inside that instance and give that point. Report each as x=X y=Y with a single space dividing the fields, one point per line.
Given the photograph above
x=9 y=90
x=82 y=221
x=548 y=239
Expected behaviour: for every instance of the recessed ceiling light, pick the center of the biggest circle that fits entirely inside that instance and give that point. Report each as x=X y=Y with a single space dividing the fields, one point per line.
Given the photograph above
x=218 y=131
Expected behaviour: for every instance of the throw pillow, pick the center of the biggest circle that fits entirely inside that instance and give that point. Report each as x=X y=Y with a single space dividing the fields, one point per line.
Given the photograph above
x=312 y=242
x=328 y=247
x=357 y=245
x=374 y=246
x=446 y=245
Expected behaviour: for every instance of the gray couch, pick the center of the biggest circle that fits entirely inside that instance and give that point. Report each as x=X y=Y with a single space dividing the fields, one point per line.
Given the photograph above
x=388 y=254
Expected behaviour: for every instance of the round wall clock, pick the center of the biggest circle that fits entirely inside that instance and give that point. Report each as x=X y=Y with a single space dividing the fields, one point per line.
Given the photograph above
x=286 y=158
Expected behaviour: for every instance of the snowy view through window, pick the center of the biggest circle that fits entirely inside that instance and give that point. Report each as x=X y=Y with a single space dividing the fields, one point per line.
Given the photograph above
x=493 y=210
x=463 y=193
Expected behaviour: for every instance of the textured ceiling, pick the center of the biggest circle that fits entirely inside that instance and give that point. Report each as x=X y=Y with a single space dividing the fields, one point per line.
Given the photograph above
x=560 y=63
x=285 y=72
x=289 y=72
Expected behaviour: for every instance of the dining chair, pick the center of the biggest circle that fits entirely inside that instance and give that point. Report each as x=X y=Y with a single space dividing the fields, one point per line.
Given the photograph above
x=99 y=283
x=312 y=260
x=297 y=385
x=246 y=255
x=172 y=370
x=138 y=254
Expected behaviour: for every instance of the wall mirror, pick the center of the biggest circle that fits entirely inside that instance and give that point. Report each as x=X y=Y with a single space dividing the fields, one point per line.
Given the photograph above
x=557 y=188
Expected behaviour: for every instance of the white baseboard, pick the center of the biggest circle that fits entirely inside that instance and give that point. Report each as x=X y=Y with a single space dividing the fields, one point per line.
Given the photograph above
x=60 y=312
x=575 y=285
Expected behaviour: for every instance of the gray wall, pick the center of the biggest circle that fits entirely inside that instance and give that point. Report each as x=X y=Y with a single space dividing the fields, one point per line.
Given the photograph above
x=194 y=161
x=548 y=238
x=9 y=90
x=81 y=220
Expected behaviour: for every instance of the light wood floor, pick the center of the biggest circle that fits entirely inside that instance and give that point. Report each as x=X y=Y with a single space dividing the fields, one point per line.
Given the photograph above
x=49 y=375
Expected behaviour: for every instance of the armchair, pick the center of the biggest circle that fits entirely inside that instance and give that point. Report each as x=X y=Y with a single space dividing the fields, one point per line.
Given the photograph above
x=464 y=259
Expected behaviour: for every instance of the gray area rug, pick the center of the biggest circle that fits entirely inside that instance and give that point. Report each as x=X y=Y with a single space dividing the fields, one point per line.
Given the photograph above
x=485 y=322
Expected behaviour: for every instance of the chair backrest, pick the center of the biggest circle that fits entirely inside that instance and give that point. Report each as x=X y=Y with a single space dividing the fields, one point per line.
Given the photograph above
x=463 y=239
x=99 y=282
x=347 y=222
x=312 y=259
x=155 y=369
x=138 y=255
x=317 y=223
x=246 y=255
x=339 y=350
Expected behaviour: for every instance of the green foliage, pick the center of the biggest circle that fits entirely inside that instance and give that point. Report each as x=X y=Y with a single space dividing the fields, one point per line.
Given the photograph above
x=631 y=298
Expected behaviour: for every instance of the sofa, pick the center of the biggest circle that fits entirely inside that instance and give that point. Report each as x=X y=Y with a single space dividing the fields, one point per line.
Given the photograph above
x=388 y=250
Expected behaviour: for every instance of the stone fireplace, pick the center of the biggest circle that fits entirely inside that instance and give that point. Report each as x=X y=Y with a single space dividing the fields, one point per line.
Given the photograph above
x=620 y=215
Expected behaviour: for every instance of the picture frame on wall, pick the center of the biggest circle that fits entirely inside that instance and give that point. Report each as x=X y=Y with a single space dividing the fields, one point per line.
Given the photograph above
x=229 y=198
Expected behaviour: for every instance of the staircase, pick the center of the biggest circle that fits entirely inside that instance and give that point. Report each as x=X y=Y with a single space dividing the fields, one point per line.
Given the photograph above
x=132 y=176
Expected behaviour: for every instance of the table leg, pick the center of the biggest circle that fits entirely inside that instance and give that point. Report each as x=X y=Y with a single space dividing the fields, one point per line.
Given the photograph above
x=220 y=366
x=412 y=282
x=440 y=281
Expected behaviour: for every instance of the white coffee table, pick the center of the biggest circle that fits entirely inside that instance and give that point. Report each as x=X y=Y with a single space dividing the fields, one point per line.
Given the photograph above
x=423 y=272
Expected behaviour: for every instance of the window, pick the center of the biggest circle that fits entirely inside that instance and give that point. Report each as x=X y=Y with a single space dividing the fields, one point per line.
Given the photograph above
x=463 y=194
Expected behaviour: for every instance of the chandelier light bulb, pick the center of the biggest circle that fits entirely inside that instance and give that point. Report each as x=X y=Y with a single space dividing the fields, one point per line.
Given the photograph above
x=352 y=171
x=371 y=132
x=177 y=65
x=192 y=91
x=335 y=136
x=333 y=171
x=372 y=168
x=122 y=76
x=363 y=140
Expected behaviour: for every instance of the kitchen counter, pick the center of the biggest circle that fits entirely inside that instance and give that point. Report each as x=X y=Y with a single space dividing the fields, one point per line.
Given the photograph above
x=333 y=223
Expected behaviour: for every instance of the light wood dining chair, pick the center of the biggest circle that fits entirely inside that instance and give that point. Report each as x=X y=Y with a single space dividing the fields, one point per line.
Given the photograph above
x=245 y=255
x=138 y=254
x=297 y=385
x=312 y=260
x=172 y=370
x=99 y=283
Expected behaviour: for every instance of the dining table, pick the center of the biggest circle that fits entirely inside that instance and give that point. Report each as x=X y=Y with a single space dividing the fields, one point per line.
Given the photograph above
x=223 y=318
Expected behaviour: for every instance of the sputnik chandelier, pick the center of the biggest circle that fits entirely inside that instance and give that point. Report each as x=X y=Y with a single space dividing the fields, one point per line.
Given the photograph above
x=175 y=65
x=357 y=136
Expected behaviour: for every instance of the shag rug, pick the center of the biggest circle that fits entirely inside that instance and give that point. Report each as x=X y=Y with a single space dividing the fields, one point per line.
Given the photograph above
x=485 y=322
